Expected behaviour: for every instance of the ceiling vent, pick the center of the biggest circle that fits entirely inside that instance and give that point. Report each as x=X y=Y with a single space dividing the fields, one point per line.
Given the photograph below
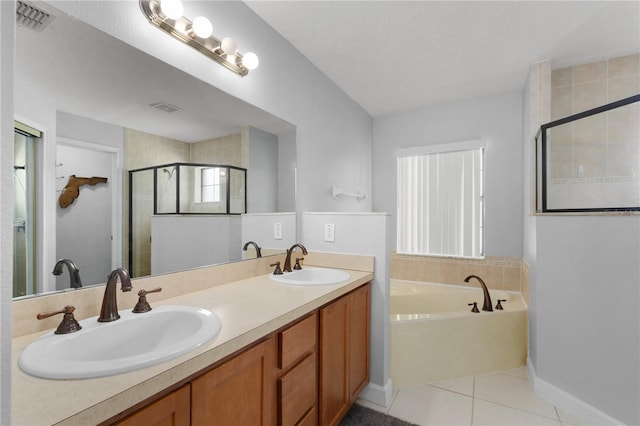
x=31 y=16
x=165 y=106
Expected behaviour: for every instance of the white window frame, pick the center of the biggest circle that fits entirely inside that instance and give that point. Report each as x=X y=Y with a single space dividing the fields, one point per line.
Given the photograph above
x=404 y=224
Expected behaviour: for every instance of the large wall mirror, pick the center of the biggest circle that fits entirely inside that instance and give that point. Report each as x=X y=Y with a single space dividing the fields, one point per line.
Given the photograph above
x=104 y=109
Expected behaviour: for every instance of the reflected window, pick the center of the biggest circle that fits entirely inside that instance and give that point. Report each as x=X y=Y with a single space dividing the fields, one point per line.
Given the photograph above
x=210 y=179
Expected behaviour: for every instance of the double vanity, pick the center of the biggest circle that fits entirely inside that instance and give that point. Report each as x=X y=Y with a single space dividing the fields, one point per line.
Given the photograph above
x=260 y=349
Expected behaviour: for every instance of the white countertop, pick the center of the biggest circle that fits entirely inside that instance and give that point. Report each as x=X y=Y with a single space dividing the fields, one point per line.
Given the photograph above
x=249 y=309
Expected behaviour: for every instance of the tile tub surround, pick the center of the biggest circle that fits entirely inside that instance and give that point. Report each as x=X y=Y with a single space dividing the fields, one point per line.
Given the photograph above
x=250 y=308
x=499 y=273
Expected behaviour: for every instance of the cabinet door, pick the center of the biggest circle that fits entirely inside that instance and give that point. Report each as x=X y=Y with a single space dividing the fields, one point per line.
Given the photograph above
x=298 y=393
x=359 y=305
x=334 y=361
x=171 y=410
x=238 y=392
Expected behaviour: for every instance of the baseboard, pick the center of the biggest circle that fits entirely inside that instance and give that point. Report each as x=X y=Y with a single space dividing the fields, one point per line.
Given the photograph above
x=379 y=395
x=568 y=403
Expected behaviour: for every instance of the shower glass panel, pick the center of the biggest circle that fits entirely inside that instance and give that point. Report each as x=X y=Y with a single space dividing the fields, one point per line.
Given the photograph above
x=590 y=162
x=141 y=204
x=178 y=188
x=25 y=139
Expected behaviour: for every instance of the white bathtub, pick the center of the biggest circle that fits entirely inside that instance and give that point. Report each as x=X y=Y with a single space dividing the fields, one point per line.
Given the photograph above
x=435 y=336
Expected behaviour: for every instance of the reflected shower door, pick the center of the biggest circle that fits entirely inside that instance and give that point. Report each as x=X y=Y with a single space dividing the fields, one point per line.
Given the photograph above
x=24 y=282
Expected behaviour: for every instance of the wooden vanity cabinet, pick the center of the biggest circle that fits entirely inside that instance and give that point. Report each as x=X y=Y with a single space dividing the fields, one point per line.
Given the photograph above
x=308 y=373
x=344 y=353
x=173 y=409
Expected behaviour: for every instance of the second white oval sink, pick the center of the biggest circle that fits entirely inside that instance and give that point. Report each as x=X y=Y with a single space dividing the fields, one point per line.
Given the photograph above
x=132 y=342
x=312 y=276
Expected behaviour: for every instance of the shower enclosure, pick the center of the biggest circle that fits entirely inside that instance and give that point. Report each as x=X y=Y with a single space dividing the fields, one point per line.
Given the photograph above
x=182 y=189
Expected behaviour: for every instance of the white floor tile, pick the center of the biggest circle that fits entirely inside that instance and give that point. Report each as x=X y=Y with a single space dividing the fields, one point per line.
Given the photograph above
x=567 y=419
x=463 y=385
x=490 y=414
x=513 y=392
x=427 y=405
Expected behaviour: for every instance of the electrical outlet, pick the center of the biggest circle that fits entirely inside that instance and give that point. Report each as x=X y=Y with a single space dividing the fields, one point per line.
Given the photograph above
x=330 y=232
x=277 y=231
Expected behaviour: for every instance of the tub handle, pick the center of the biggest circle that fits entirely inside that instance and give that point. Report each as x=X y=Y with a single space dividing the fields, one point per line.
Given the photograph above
x=475 y=307
x=499 y=305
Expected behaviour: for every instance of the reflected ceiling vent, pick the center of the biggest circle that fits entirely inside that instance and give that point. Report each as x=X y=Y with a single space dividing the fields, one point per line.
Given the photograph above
x=32 y=16
x=165 y=106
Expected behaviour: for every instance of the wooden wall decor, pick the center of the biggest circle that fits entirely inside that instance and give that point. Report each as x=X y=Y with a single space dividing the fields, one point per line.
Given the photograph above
x=72 y=190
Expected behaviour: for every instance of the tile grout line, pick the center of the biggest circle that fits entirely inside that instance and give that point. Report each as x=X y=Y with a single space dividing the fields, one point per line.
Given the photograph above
x=557 y=414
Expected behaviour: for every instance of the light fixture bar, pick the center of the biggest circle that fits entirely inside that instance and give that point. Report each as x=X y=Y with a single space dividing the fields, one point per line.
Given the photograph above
x=181 y=29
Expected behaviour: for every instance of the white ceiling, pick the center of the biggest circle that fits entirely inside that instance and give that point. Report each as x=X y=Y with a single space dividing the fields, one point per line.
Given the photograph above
x=391 y=56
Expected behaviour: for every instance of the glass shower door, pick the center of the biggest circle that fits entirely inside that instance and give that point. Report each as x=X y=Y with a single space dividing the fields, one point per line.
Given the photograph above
x=24 y=282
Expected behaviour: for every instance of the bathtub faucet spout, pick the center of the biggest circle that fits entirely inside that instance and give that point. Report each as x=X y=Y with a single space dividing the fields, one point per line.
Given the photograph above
x=486 y=306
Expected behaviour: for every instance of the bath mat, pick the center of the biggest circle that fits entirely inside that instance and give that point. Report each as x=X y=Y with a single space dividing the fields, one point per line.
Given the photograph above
x=359 y=415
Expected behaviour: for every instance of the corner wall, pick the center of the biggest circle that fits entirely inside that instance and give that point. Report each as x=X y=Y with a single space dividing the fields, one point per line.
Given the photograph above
x=583 y=315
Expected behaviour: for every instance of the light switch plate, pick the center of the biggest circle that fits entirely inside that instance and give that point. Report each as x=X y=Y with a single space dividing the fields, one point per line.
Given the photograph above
x=277 y=231
x=330 y=232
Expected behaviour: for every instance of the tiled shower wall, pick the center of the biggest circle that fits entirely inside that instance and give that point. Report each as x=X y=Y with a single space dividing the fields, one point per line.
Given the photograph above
x=499 y=273
x=145 y=150
x=595 y=162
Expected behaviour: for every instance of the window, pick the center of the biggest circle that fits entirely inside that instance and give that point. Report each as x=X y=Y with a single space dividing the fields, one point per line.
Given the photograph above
x=210 y=183
x=441 y=200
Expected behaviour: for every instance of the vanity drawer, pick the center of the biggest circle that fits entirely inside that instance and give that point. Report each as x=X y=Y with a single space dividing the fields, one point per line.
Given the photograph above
x=296 y=341
x=298 y=393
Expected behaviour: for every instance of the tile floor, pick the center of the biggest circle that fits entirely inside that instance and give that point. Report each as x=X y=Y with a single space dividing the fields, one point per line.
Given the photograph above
x=499 y=398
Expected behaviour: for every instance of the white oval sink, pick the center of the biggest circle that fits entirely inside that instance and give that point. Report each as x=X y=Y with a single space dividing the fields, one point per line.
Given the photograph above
x=312 y=276
x=132 y=342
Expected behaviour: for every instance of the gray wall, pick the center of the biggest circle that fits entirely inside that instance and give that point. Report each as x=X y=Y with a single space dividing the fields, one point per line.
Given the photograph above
x=588 y=321
x=496 y=119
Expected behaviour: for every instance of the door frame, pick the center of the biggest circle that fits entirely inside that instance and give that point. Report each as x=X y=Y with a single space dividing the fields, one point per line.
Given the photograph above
x=116 y=193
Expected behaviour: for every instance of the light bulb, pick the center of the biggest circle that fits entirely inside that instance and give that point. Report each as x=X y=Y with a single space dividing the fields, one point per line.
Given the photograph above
x=202 y=27
x=229 y=46
x=172 y=9
x=250 y=61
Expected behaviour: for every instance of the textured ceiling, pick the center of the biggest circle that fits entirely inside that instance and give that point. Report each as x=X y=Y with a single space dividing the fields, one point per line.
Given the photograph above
x=391 y=56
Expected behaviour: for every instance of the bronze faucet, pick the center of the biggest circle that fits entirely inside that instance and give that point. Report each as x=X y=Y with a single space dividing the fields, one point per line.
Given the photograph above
x=287 y=260
x=74 y=272
x=109 y=311
x=258 y=249
x=486 y=306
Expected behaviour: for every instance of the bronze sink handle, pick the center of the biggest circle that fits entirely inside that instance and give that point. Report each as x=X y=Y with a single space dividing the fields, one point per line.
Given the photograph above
x=297 y=265
x=278 y=271
x=68 y=324
x=499 y=304
x=143 y=305
x=475 y=307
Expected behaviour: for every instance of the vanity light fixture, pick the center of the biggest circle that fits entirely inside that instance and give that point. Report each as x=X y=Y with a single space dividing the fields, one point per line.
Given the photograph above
x=168 y=16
